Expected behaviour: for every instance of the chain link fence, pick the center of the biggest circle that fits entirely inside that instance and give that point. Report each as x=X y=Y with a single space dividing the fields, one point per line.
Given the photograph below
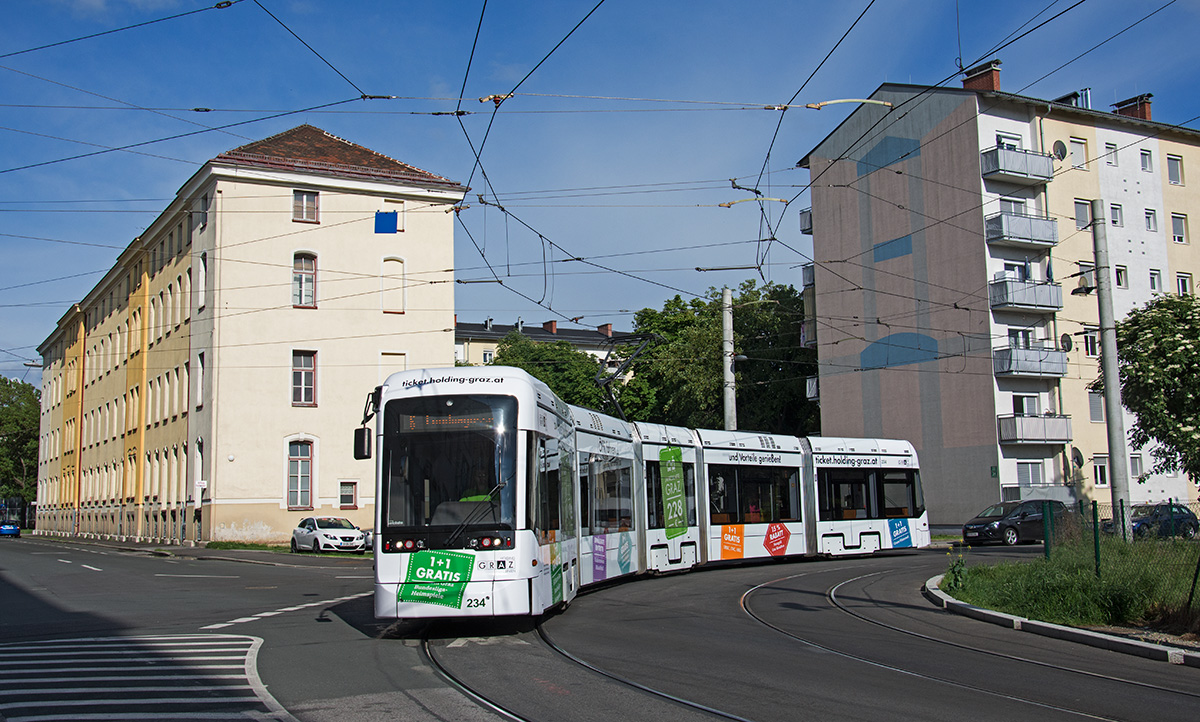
x=1146 y=556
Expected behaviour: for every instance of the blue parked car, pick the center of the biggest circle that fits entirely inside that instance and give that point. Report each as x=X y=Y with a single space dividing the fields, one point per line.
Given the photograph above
x=9 y=527
x=1164 y=520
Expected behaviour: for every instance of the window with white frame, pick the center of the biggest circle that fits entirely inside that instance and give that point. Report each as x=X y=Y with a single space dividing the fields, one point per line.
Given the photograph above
x=1026 y=405
x=1121 y=276
x=1012 y=206
x=1179 y=228
x=299 y=489
x=1135 y=467
x=200 y=380
x=1100 y=469
x=304 y=378
x=1008 y=140
x=1110 y=153
x=1147 y=161
x=1029 y=473
x=1183 y=283
x=304 y=206
x=1083 y=214
x=304 y=280
x=1096 y=406
x=348 y=494
x=1155 y=280
x=488 y=356
x=202 y=280
x=1117 y=214
x=1087 y=271
x=1078 y=153
x=1091 y=342
x=1020 y=338
x=1151 y=220
x=1175 y=170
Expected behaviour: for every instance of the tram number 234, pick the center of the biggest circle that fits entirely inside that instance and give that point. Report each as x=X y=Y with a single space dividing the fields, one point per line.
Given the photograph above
x=477 y=603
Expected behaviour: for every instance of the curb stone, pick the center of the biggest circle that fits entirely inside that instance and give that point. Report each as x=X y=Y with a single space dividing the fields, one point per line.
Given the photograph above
x=1157 y=652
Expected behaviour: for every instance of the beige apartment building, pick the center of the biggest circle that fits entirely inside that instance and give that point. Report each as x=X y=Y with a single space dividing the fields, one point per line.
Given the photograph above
x=952 y=236
x=207 y=387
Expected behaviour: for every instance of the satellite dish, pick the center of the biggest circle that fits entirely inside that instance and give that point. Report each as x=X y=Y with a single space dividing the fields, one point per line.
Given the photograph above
x=1077 y=457
x=1066 y=342
x=1060 y=150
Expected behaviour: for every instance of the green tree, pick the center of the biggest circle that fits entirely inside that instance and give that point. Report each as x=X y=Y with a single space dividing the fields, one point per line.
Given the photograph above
x=679 y=380
x=1158 y=351
x=20 y=404
x=568 y=372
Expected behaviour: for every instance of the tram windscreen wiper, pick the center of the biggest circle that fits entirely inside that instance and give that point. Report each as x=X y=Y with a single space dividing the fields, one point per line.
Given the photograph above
x=481 y=506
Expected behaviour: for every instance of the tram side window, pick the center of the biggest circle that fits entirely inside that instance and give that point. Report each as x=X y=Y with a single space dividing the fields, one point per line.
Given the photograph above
x=751 y=494
x=585 y=495
x=612 y=507
x=655 y=496
x=902 y=494
x=844 y=494
x=546 y=488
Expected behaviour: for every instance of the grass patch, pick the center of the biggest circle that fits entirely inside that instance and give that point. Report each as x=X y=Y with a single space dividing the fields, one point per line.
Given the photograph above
x=1140 y=583
x=245 y=545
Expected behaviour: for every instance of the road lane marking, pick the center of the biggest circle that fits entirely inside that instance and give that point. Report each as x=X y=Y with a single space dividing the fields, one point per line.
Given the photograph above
x=296 y=608
x=200 y=576
x=89 y=566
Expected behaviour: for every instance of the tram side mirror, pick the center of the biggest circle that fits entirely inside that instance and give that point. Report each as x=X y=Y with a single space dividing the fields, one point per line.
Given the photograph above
x=362 y=443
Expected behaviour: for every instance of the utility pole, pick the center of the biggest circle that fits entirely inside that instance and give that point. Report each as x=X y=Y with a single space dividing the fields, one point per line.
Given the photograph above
x=727 y=359
x=1118 y=460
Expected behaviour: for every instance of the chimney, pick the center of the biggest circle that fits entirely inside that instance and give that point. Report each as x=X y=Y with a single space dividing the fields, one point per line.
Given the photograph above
x=487 y=325
x=985 y=77
x=550 y=326
x=1135 y=107
x=606 y=329
x=520 y=325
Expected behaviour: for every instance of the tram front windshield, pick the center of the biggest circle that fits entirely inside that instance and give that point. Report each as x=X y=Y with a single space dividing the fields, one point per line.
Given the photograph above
x=450 y=462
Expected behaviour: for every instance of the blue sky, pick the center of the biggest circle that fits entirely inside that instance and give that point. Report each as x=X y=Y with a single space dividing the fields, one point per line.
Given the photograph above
x=586 y=155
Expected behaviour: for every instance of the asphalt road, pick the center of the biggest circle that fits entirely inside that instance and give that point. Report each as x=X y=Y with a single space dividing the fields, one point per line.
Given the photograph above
x=845 y=639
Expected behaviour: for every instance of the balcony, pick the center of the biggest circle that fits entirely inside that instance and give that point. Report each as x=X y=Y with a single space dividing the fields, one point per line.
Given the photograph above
x=1012 y=165
x=1020 y=429
x=1010 y=294
x=1040 y=360
x=806 y=221
x=808 y=333
x=1020 y=230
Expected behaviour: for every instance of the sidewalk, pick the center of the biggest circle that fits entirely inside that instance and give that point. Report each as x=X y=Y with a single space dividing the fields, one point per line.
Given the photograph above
x=248 y=556
x=1113 y=643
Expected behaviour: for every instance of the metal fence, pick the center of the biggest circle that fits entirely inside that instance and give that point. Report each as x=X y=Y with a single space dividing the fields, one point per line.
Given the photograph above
x=1150 y=551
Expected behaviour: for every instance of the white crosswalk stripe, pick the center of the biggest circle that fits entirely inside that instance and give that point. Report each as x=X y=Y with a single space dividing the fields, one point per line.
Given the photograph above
x=199 y=676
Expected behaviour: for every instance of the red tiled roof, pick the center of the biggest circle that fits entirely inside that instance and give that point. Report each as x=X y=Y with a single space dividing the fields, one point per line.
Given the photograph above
x=307 y=148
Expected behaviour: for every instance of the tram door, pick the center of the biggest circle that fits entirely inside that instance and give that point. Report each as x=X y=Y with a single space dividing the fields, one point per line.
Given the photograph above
x=672 y=533
x=554 y=520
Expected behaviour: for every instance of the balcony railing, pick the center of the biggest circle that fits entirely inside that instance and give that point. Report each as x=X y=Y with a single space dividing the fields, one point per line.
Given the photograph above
x=806 y=221
x=1020 y=230
x=1021 y=429
x=1009 y=294
x=1040 y=360
x=1012 y=165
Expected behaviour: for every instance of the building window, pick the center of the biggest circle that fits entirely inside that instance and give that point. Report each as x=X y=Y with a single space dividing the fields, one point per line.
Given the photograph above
x=348 y=494
x=1175 y=170
x=304 y=206
x=460 y=352
x=1147 y=161
x=1078 y=153
x=203 y=211
x=488 y=356
x=300 y=474
x=1087 y=271
x=1029 y=473
x=1025 y=404
x=1151 y=220
x=1135 y=467
x=1183 y=283
x=1008 y=141
x=304 y=280
x=1091 y=342
x=1096 y=406
x=304 y=378
x=1110 y=153
x=1083 y=214
x=391 y=286
x=1012 y=206
x=1118 y=214
x=1100 y=469
x=200 y=380
x=1155 y=279
x=1121 y=276
x=1179 y=228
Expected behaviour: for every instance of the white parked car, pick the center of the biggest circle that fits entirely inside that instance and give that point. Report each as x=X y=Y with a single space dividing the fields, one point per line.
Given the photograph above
x=328 y=533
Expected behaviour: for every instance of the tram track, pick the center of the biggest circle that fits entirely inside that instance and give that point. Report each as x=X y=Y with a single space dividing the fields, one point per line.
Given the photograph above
x=504 y=710
x=831 y=596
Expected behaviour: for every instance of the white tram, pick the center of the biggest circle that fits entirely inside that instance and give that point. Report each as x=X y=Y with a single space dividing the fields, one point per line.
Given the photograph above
x=493 y=497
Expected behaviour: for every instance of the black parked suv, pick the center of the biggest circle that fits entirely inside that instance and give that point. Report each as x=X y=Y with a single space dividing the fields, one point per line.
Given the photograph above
x=1011 y=522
